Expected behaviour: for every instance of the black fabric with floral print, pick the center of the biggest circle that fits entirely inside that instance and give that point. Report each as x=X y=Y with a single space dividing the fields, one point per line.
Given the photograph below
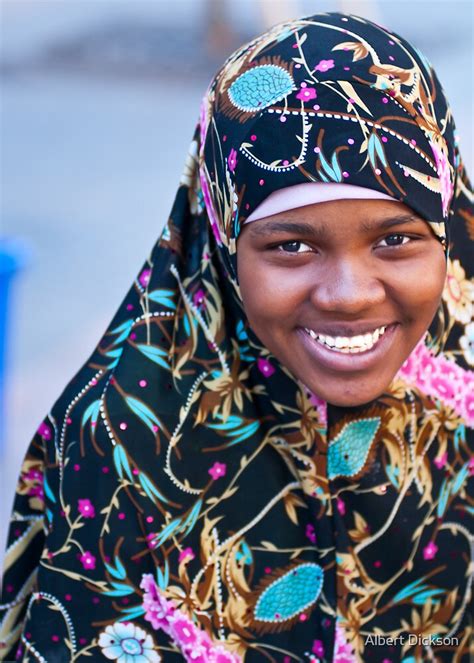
x=186 y=498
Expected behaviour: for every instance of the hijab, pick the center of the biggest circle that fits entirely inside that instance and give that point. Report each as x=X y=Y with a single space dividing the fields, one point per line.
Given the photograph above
x=186 y=498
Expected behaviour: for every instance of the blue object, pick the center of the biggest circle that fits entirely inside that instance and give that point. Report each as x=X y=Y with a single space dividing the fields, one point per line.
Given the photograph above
x=13 y=256
x=291 y=594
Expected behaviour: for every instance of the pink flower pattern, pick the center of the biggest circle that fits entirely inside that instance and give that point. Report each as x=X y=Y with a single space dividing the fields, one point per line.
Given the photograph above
x=324 y=65
x=33 y=482
x=429 y=551
x=265 y=367
x=195 y=645
x=87 y=560
x=232 y=160
x=318 y=648
x=440 y=461
x=37 y=491
x=306 y=93
x=44 y=431
x=199 y=298
x=321 y=406
x=144 y=277
x=441 y=379
x=310 y=532
x=343 y=652
x=218 y=470
x=86 y=508
x=341 y=506
x=33 y=475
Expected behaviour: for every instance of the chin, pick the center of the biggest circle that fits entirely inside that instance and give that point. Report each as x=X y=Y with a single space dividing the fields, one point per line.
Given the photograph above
x=342 y=400
x=347 y=395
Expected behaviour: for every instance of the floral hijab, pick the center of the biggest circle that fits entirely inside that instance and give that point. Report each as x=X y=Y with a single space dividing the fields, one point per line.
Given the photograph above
x=187 y=499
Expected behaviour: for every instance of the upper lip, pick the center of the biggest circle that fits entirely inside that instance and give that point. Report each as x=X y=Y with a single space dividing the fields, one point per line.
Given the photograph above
x=348 y=330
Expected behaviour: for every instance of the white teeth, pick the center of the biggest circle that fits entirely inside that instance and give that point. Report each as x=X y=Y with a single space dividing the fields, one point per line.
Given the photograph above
x=345 y=344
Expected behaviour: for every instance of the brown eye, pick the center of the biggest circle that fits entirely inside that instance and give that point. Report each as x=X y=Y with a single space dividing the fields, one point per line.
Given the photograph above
x=294 y=247
x=395 y=239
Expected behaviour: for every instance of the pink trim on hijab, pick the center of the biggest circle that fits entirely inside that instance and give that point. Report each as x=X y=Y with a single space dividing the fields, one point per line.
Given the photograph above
x=299 y=195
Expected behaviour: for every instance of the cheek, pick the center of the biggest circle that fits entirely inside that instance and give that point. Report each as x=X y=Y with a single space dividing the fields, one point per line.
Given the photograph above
x=270 y=295
x=420 y=288
x=431 y=281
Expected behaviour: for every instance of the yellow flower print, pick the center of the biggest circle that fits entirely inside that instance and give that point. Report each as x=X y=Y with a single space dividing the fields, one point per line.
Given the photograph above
x=458 y=293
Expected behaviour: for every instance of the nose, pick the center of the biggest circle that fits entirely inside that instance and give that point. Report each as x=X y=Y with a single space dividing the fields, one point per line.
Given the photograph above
x=349 y=286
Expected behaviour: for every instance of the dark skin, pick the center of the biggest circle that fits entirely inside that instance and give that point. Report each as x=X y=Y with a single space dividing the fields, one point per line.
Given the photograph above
x=342 y=269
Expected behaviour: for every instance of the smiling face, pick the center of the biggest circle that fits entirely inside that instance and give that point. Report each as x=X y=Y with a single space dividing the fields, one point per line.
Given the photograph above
x=341 y=292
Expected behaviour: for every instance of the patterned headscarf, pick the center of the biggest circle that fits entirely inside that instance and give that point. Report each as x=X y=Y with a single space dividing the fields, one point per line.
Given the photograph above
x=329 y=99
x=187 y=497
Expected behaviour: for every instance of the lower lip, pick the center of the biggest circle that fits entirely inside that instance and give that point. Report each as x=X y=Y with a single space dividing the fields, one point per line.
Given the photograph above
x=347 y=362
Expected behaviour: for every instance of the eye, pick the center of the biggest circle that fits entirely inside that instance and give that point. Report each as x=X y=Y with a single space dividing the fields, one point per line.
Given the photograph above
x=294 y=247
x=396 y=239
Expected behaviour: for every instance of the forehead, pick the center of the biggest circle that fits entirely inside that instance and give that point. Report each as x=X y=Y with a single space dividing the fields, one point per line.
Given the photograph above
x=344 y=216
x=353 y=208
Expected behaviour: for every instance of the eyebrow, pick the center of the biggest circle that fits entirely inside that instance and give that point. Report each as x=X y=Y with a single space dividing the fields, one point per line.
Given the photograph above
x=323 y=230
x=399 y=220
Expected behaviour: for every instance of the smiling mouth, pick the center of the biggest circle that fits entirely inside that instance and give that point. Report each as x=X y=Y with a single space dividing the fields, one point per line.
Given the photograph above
x=349 y=344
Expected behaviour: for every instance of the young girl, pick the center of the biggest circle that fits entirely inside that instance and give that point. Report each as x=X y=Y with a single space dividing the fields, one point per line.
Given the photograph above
x=267 y=455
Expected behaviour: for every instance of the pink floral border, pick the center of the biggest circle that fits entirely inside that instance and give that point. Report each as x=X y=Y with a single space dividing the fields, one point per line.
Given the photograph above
x=343 y=652
x=194 y=643
x=442 y=379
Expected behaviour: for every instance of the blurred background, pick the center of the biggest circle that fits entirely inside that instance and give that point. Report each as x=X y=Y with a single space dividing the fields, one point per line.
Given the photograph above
x=99 y=99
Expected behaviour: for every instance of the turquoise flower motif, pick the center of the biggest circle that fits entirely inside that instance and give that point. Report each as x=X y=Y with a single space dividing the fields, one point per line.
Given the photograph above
x=348 y=451
x=260 y=87
x=292 y=593
x=127 y=643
